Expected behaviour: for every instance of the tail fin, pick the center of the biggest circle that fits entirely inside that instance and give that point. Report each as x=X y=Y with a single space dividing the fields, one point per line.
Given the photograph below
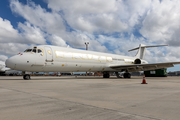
x=142 y=48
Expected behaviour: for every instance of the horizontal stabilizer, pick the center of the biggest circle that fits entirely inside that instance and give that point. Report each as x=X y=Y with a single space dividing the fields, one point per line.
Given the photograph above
x=147 y=47
x=142 y=48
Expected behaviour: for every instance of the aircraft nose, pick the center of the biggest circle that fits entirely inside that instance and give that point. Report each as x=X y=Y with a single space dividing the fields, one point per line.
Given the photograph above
x=10 y=63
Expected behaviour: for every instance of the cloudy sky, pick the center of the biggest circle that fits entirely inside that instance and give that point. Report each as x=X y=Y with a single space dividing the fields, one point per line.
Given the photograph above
x=111 y=26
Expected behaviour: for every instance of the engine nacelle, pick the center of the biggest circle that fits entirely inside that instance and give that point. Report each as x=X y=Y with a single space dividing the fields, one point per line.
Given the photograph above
x=139 y=61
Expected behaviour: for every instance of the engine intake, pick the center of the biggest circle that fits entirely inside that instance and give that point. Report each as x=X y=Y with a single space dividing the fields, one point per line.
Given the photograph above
x=137 y=61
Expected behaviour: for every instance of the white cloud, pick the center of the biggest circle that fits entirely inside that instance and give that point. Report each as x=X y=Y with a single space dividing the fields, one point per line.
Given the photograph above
x=91 y=15
x=7 y=32
x=96 y=46
x=3 y=58
x=31 y=34
x=28 y=35
x=12 y=42
x=56 y=40
x=10 y=49
x=83 y=7
x=36 y=15
x=162 y=22
x=135 y=10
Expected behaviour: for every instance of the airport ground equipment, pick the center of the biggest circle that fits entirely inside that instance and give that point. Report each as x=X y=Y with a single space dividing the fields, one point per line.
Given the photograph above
x=156 y=73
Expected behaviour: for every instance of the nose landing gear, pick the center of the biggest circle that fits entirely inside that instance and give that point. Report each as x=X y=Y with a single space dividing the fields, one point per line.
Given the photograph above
x=26 y=77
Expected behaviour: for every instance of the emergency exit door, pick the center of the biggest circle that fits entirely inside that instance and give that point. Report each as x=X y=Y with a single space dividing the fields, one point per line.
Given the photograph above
x=49 y=54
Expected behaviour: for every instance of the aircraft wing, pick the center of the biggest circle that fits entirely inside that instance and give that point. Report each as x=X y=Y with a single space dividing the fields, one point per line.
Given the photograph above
x=143 y=67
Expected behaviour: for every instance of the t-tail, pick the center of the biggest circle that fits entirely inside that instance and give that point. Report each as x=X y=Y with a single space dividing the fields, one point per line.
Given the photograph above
x=142 y=49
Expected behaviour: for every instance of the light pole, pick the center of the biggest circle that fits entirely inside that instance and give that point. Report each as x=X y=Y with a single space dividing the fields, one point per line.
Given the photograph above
x=86 y=43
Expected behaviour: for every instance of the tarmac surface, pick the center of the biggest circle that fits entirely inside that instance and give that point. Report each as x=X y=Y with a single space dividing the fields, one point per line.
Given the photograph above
x=89 y=98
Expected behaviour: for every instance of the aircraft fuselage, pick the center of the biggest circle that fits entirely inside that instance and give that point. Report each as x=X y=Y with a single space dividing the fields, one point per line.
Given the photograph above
x=45 y=58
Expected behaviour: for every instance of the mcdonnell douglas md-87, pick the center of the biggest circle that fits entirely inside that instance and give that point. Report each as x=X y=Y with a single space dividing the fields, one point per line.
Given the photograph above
x=46 y=58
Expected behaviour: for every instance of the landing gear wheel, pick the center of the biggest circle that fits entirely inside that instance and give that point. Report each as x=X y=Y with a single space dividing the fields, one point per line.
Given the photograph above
x=127 y=75
x=106 y=75
x=26 y=77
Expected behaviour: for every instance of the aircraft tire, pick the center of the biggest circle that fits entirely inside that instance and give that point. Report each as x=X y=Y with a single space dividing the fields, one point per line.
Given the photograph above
x=106 y=75
x=26 y=77
x=124 y=75
x=127 y=75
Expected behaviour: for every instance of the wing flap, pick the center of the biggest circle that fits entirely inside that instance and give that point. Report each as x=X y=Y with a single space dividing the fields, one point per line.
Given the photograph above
x=143 y=67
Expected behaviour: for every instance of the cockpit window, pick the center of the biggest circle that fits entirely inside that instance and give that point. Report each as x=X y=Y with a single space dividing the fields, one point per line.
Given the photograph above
x=28 y=50
x=34 y=50
x=39 y=51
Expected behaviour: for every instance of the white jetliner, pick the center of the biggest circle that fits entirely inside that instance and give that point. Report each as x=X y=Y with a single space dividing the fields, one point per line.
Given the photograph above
x=46 y=58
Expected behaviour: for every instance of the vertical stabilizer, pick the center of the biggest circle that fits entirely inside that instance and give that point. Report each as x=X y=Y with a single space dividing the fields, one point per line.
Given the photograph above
x=142 y=49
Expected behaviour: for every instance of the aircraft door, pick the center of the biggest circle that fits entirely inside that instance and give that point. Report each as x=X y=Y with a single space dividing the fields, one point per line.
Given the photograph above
x=49 y=54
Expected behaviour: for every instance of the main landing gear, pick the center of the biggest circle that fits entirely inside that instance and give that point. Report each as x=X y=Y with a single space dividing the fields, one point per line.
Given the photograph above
x=117 y=74
x=106 y=75
x=26 y=77
x=127 y=75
